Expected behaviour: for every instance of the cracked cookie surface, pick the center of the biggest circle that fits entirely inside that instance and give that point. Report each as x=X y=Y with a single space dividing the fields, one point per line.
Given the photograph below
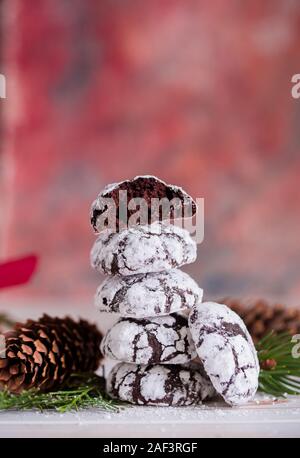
x=158 y=385
x=141 y=249
x=226 y=350
x=160 y=340
x=147 y=295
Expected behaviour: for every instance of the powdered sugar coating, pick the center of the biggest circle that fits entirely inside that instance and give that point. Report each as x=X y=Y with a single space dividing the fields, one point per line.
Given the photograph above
x=159 y=340
x=226 y=350
x=150 y=294
x=157 y=385
x=142 y=249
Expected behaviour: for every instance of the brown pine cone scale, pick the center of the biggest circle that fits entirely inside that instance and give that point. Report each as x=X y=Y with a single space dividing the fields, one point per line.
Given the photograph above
x=261 y=318
x=42 y=354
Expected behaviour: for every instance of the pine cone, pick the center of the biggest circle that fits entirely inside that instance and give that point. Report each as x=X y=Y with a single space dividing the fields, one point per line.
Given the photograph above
x=261 y=318
x=42 y=354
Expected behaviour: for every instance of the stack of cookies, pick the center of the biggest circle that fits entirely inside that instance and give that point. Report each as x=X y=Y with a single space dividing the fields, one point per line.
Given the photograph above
x=153 y=340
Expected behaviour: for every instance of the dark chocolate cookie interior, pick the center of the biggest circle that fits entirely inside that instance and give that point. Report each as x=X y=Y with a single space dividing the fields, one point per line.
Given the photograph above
x=147 y=188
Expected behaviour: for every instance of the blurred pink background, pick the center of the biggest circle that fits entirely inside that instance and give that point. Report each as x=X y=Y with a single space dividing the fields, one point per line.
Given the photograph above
x=196 y=92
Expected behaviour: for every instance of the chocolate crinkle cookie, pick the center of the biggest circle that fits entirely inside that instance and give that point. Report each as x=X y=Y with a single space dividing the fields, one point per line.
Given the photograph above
x=147 y=188
x=160 y=340
x=226 y=350
x=150 y=294
x=143 y=249
x=197 y=365
x=157 y=385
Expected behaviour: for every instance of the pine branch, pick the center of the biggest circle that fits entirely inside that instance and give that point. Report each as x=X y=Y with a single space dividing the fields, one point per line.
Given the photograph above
x=80 y=392
x=280 y=371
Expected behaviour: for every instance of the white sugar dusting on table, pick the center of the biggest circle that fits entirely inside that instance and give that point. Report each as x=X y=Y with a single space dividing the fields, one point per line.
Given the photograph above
x=263 y=417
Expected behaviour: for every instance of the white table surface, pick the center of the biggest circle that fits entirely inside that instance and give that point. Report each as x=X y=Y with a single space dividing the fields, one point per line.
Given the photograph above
x=263 y=418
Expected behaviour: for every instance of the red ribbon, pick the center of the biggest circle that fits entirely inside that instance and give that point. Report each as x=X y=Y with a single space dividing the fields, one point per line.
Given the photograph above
x=18 y=271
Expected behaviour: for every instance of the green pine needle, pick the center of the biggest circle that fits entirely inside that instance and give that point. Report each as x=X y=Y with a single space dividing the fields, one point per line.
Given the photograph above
x=80 y=392
x=280 y=371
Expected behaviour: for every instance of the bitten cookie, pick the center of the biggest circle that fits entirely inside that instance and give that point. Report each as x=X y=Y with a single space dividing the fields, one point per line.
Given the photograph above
x=157 y=385
x=144 y=295
x=226 y=350
x=161 y=340
x=148 y=188
x=143 y=249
